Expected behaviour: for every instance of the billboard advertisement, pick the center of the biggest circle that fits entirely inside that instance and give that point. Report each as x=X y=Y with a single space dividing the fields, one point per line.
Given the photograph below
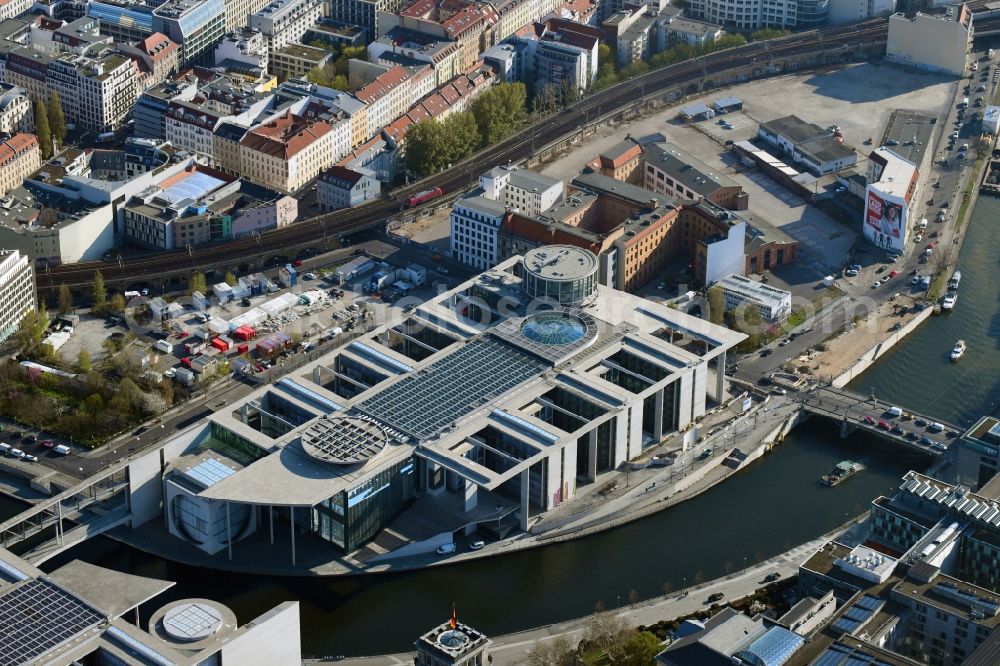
x=885 y=221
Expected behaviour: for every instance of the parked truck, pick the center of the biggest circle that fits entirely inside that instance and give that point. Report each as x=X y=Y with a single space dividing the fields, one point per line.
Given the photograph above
x=164 y=346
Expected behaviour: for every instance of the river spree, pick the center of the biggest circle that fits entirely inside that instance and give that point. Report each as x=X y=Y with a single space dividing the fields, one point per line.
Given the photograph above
x=775 y=504
x=918 y=373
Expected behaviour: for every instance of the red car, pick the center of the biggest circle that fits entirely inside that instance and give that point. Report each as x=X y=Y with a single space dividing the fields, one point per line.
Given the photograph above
x=882 y=423
x=47 y=443
x=297 y=263
x=869 y=420
x=893 y=274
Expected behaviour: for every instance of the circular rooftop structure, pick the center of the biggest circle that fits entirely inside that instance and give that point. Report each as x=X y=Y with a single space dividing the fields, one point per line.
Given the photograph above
x=453 y=639
x=192 y=621
x=554 y=328
x=564 y=274
x=344 y=440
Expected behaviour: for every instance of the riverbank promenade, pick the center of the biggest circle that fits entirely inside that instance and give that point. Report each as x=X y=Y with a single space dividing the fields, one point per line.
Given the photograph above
x=512 y=649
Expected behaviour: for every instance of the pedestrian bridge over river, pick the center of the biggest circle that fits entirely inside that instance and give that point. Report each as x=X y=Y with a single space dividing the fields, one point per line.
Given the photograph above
x=849 y=409
x=58 y=523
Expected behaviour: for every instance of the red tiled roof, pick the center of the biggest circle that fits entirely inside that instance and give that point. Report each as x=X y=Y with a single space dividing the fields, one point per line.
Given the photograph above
x=16 y=145
x=157 y=46
x=383 y=84
x=286 y=135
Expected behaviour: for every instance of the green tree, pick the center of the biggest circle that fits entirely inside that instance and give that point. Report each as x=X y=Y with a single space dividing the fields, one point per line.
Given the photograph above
x=42 y=130
x=132 y=395
x=57 y=120
x=606 y=76
x=197 y=283
x=65 y=300
x=328 y=76
x=641 y=649
x=117 y=304
x=99 y=291
x=605 y=55
x=32 y=328
x=500 y=111
x=463 y=134
x=716 y=304
x=635 y=69
x=93 y=405
x=83 y=362
x=748 y=321
x=231 y=279
x=768 y=33
x=432 y=145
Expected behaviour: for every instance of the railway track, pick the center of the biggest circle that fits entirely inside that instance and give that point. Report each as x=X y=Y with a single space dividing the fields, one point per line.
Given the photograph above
x=515 y=148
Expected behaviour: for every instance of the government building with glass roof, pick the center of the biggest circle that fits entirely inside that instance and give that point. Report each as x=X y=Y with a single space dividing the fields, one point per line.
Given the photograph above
x=491 y=404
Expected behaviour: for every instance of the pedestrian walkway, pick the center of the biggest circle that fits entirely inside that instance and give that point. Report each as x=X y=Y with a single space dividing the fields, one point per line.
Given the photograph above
x=513 y=648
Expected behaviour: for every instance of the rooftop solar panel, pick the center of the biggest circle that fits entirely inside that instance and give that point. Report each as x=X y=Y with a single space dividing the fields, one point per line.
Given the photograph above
x=869 y=602
x=37 y=617
x=424 y=402
x=209 y=472
x=846 y=626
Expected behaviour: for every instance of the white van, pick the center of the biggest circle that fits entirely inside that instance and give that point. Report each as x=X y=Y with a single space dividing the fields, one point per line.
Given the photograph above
x=446 y=549
x=61 y=449
x=894 y=412
x=935 y=427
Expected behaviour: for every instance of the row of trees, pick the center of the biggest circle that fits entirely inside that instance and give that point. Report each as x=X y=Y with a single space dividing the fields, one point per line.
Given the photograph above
x=432 y=145
x=609 y=74
x=607 y=640
x=50 y=124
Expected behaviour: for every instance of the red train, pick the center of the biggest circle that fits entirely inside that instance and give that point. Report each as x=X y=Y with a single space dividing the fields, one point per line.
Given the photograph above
x=424 y=197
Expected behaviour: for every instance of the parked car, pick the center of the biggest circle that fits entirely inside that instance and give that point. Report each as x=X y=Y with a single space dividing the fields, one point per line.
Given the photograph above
x=716 y=596
x=48 y=443
x=869 y=420
x=61 y=449
x=477 y=545
x=446 y=549
x=771 y=577
x=920 y=423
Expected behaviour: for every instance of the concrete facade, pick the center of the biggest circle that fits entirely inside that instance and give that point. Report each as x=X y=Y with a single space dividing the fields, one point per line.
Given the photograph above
x=937 y=43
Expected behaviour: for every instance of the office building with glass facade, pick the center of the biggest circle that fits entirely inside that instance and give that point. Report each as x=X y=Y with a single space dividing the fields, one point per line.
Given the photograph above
x=196 y=25
x=924 y=508
x=475 y=406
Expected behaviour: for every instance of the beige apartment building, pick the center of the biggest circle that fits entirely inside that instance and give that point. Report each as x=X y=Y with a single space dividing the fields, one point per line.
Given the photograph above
x=287 y=152
x=20 y=157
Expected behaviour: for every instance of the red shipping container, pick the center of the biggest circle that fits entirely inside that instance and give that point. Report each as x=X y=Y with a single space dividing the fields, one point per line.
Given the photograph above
x=220 y=344
x=242 y=348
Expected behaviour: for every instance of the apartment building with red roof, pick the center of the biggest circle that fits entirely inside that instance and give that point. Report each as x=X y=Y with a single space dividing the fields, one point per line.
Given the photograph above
x=288 y=151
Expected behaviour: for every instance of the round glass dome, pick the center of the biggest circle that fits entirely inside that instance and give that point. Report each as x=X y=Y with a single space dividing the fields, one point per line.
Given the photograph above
x=453 y=639
x=553 y=328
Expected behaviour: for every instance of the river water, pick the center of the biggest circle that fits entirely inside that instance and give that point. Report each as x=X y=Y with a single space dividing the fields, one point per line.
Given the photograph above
x=775 y=504
x=764 y=510
x=918 y=373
